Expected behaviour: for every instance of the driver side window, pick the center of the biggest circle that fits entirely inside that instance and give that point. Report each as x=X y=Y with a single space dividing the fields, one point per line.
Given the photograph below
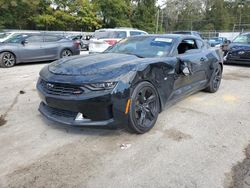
x=187 y=44
x=35 y=39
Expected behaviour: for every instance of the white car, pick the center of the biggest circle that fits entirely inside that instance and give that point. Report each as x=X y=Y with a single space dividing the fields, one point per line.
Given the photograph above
x=104 y=38
x=7 y=35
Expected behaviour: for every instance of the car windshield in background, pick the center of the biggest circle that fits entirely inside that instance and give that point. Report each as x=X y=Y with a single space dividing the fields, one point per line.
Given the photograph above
x=109 y=34
x=245 y=39
x=16 y=38
x=3 y=35
x=143 y=46
x=215 y=40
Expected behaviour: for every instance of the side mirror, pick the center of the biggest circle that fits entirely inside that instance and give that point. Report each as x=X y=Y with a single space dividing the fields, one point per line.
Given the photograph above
x=24 y=42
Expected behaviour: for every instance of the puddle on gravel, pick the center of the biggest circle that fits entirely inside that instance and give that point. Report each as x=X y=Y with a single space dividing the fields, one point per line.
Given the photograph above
x=240 y=174
x=176 y=135
x=2 y=120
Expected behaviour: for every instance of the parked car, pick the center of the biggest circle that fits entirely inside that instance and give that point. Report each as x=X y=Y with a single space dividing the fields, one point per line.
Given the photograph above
x=7 y=35
x=195 y=33
x=84 y=43
x=239 y=50
x=105 y=38
x=35 y=47
x=130 y=83
x=217 y=41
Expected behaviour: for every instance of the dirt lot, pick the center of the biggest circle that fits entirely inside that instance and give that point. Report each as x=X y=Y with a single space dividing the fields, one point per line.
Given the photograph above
x=199 y=142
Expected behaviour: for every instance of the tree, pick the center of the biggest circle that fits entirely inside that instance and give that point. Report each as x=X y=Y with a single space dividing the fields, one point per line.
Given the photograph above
x=114 y=13
x=144 y=15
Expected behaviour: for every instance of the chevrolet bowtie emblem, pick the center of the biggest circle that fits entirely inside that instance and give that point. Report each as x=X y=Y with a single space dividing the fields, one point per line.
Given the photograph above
x=50 y=85
x=241 y=52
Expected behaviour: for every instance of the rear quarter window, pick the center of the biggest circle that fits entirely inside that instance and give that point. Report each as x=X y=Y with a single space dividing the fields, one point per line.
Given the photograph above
x=51 y=38
x=35 y=38
x=134 y=33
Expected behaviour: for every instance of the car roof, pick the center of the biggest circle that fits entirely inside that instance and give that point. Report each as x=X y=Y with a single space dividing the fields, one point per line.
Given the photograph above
x=173 y=36
x=245 y=33
x=120 y=29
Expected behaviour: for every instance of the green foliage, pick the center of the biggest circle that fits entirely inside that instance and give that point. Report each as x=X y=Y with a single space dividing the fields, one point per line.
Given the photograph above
x=144 y=15
x=88 y=15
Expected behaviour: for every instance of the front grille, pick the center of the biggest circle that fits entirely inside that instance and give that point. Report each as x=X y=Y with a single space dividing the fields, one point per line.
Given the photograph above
x=61 y=89
x=60 y=112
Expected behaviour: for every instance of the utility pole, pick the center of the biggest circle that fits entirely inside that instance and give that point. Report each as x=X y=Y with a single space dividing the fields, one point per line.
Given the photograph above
x=240 y=4
x=157 y=21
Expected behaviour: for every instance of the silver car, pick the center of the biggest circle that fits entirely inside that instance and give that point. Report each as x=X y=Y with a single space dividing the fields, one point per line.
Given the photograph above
x=36 y=47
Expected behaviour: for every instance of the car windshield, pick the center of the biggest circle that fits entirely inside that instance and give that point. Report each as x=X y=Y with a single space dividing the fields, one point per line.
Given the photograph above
x=104 y=34
x=4 y=35
x=245 y=39
x=17 y=38
x=143 y=46
x=215 y=40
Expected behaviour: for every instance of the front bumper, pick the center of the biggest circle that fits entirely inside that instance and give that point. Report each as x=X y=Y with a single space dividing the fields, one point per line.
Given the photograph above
x=102 y=108
x=236 y=60
x=70 y=118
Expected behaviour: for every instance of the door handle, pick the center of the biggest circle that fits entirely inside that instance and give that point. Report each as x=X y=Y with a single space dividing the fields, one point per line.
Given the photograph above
x=203 y=59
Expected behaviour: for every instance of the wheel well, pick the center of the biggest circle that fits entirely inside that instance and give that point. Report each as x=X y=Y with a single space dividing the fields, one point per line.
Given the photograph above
x=160 y=102
x=8 y=52
x=66 y=49
x=221 y=65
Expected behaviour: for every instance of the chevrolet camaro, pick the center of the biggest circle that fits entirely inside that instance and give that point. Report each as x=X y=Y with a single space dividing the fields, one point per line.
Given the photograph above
x=130 y=83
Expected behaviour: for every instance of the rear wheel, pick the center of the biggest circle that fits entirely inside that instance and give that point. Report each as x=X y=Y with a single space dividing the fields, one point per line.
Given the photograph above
x=144 y=108
x=7 y=60
x=215 y=80
x=66 y=53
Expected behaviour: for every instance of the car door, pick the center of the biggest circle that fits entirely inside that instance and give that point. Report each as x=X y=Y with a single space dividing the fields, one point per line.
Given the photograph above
x=51 y=46
x=190 y=55
x=31 y=49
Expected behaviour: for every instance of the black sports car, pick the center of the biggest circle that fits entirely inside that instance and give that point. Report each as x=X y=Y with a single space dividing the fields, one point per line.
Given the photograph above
x=239 y=50
x=130 y=83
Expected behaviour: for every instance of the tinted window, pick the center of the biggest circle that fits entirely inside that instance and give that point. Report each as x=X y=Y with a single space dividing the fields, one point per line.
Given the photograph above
x=187 y=44
x=17 y=38
x=104 y=34
x=3 y=35
x=50 y=38
x=133 y=33
x=144 y=46
x=35 y=38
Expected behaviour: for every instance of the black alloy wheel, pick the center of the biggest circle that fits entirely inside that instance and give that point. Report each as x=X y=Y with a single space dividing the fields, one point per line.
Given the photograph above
x=215 y=80
x=144 y=108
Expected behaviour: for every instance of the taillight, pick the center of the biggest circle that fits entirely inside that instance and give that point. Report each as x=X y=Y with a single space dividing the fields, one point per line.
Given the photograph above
x=77 y=43
x=111 y=42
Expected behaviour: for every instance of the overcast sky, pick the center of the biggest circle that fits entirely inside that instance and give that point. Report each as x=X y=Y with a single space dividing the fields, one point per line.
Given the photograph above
x=160 y=2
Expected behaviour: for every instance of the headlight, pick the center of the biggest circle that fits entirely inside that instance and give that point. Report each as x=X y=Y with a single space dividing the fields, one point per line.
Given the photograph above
x=101 y=86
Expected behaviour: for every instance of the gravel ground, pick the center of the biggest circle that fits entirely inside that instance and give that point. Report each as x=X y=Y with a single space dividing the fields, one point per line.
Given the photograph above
x=199 y=142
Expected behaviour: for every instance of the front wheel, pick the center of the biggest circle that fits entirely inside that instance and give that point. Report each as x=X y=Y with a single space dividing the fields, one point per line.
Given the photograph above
x=144 y=108
x=215 y=80
x=7 y=60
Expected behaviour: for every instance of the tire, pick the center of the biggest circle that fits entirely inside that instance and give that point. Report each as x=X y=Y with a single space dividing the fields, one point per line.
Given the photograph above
x=66 y=53
x=215 y=80
x=144 y=108
x=7 y=60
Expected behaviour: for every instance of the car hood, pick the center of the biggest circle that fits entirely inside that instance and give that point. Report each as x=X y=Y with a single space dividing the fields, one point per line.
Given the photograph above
x=238 y=46
x=104 y=63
